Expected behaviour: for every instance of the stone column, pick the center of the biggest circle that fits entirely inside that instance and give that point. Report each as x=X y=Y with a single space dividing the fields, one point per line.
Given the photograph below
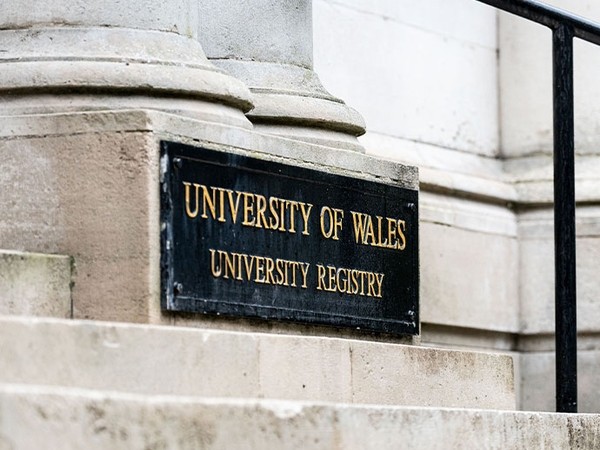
x=74 y=55
x=268 y=45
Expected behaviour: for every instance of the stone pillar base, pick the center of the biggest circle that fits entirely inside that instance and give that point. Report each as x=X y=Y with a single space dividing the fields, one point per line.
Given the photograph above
x=87 y=185
x=60 y=69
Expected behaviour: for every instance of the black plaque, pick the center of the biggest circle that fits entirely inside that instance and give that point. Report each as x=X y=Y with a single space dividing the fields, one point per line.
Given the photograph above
x=242 y=236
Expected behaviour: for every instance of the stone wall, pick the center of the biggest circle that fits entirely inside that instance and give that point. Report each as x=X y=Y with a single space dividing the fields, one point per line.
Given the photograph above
x=452 y=87
x=464 y=93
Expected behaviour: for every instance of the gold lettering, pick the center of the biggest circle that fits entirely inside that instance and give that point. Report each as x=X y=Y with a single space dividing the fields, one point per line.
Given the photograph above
x=305 y=215
x=331 y=278
x=329 y=231
x=266 y=270
x=359 y=221
x=293 y=208
x=229 y=265
x=206 y=199
x=304 y=268
x=365 y=233
x=391 y=233
x=249 y=266
x=279 y=266
x=282 y=207
x=287 y=266
x=341 y=283
x=370 y=233
x=274 y=219
x=338 y=215
x=260 y=268
x=189 y=212
x=320 y=277
x=294 y=265
x=380 y=243
x=362 y=282
x=238 y=270
x=233 y=207
x=216 y=272
x=401 y=229
x=261 y=207
x=260 y=211
x=349 y=281
x=371 y=277
x=333 y=223
x=270 y=265
x=248 y=209
x=379 y=283
x=354 y=281
x=221 y=205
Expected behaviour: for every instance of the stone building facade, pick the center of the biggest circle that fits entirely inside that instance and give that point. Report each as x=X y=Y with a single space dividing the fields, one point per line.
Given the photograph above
x=464 y=93
x=448 y=97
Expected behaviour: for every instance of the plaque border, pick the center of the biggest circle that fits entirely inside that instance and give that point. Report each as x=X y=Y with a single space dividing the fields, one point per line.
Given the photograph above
x=173 y=302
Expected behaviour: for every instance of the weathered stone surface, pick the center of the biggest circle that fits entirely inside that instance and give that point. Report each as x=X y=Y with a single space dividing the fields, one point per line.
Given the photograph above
x=96 y=194
x=464 y=285
x=403 y=66
x=268 y=45
x=538 y=392
x=72 y=419
x=433 y=378
x=537 y=269
x=526 y=84
x=74 y=56
x=34 y=284
x=261 y=30
x=188 y=361
x=93 y=199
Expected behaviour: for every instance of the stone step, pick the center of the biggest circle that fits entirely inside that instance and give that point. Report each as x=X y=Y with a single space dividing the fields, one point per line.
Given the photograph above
x=151 y=359
x=34 y=284
x=55 y=417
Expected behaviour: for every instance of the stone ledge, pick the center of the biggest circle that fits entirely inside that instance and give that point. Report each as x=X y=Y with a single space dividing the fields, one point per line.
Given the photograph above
x=34 y=284
x=110 y=159
x=219 y=137
x=447 y=171
x=150 y=359
x=44 y=417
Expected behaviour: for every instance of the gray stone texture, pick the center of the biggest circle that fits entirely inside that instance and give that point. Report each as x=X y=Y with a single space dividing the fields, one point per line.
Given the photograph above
x=73 y=419
x=451 y=257
x=526 y=101
x=537 y=381
x=96 y=198
x=99 y=54
x=480 y=137
x=269 y=31
x=468 y=101
x=268 y=45
x=150 y=359
x=34 y=284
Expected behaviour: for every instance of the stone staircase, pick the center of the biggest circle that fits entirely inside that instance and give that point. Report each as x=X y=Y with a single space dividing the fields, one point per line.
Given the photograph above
x=74 y=384
x=43 y=417
x=163 y=360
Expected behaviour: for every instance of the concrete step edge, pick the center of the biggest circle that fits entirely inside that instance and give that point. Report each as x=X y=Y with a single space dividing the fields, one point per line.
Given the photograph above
x=50 y=417
x=156 y=359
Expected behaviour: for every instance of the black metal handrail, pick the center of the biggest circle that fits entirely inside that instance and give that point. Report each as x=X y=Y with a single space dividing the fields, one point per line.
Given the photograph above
x=565 y=26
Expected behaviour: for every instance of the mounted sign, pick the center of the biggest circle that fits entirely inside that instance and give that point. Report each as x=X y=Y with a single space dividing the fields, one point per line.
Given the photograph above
x=247 y=237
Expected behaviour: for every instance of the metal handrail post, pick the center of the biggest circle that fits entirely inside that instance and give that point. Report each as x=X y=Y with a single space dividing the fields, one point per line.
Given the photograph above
x=564 y=220
x=565 y=27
